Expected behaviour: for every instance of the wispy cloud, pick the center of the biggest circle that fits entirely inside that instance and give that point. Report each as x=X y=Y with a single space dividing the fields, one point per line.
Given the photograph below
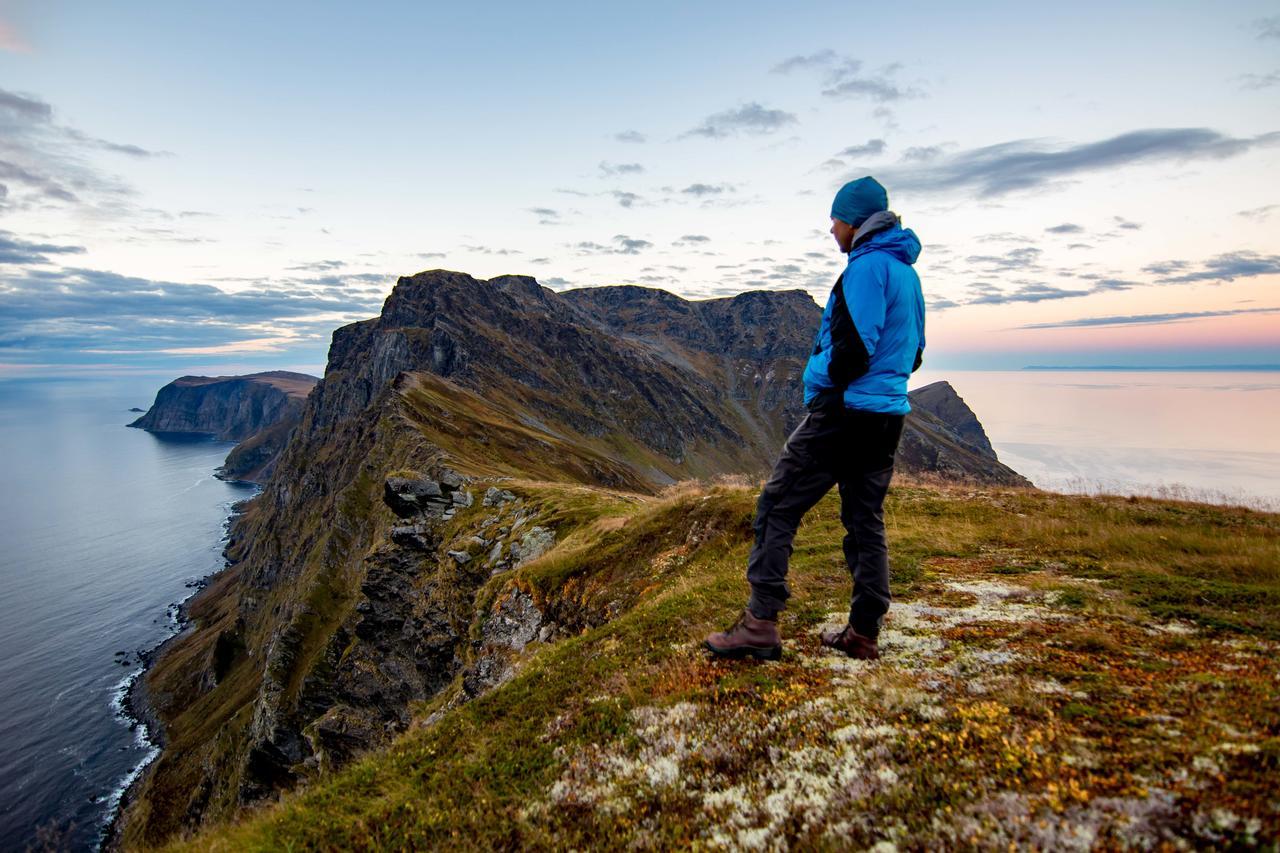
x=844 y=77
x=15 y=250
x=1146 y=319
x=610 y=169
x=1224 y=267
x=750 y=118
x=1024 y=164
x=1253 y=82
x=1258 y=213
x=44 y=164
x=870 y=148
x=1065 y=228
x=701 y=190
x=1267 y=28
x=630 y=136
x=621 y=245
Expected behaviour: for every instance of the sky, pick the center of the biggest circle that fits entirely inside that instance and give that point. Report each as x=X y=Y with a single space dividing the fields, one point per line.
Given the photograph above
x=213 y=188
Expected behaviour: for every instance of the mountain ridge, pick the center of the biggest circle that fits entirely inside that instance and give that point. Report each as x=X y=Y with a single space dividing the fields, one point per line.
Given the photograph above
x=334 y=616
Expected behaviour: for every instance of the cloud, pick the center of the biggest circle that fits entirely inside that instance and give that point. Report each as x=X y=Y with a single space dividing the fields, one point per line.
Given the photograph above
x=15 y=250
x=622 y=245
x=319 y=266
x=1029 y=292
x=1121 y=222
x=45 y=165
x=922 y=153
x=1146 y=319
x=749 y=118
x=1258 y=81
x=1258 y=213
x=620 y=168
x=695 y=238
x=1224 y=267
x=626 y=199
x=1065 y=228
x=630 y=136
x=821 y=59
x=701 y=190
x=1023 y=258
x=93 y=310
x=546 y=215
x=1267 y=28
x=843 y=77
x=1024 y=164
x=870 y=148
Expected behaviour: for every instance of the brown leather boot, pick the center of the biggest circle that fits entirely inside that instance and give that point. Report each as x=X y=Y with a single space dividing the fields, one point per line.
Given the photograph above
x=748 y=637
x=852 y=643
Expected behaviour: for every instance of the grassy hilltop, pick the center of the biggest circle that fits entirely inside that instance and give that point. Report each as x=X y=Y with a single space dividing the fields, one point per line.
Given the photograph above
x=1058 y=671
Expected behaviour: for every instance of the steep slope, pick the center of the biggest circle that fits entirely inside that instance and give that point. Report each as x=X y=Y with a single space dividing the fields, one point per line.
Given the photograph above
x=355 y=579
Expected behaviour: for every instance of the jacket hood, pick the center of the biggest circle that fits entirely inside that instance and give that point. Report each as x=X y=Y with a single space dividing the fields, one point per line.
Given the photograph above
x=882 y=231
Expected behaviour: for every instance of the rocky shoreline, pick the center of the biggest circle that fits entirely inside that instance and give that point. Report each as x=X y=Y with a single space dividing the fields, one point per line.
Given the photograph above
x=136 y=707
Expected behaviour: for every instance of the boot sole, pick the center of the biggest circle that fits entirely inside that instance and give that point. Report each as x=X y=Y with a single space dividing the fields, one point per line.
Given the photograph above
x=772 y=653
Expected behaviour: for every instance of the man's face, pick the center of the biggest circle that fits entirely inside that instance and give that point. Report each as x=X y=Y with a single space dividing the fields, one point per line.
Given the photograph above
x=843 y=232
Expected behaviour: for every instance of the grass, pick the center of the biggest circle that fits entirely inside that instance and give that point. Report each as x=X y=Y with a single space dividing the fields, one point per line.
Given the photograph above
x=1056 y=668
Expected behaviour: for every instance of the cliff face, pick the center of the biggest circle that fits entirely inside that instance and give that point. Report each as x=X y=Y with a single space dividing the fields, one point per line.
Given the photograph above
x=231 y=408
x=259 y=410
x=358 y=581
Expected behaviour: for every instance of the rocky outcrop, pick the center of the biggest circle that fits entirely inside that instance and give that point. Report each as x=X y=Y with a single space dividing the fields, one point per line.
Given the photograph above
x=230 y=408
x=374 y=569
x=943 y=437
x=258 y=410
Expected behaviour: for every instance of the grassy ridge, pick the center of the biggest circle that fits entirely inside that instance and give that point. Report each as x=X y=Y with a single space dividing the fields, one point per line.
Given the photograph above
x=1059 y=671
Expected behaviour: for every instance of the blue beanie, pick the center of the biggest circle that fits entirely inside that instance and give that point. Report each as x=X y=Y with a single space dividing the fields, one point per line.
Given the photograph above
x=859 y=199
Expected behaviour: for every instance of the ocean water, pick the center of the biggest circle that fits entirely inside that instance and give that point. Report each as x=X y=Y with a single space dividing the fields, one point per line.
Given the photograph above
x=102 y=530
x=1197 y=435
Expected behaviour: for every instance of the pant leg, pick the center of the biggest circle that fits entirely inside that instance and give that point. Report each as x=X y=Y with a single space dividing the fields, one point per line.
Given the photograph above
x=863 y=483
x=804 y=472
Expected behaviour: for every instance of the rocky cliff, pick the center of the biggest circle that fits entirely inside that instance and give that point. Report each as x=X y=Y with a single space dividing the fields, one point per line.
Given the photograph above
x=369 y=574
x=259 y=410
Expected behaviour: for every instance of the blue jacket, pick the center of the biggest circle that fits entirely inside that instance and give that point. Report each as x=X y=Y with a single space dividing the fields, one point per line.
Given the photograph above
x=872 y=331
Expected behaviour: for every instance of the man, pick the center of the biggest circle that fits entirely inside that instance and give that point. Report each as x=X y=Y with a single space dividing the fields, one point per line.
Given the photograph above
x=870 y=340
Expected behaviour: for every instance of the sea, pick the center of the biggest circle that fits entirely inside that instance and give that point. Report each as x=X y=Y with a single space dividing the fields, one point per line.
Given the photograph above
x=105 y=529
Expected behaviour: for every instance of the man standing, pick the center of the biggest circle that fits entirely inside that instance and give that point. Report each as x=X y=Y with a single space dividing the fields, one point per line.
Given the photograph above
x=870 y=340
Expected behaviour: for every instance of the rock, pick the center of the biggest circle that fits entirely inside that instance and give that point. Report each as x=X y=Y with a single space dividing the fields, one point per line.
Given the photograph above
x=494 y=496
x=451 y=479
x=495 y=554
x=408 y=497
x=536 y=542
x=411 y=536
x=461 y=556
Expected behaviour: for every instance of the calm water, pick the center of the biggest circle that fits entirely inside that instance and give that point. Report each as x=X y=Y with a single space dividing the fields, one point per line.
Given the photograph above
x=1200 y=435
x=102 y=528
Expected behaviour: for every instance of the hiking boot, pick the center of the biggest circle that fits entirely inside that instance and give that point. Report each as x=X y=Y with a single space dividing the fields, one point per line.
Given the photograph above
x=852 y=643
x=748 y=637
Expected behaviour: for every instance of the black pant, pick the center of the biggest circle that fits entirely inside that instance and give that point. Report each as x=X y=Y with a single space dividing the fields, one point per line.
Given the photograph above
x=832 y=445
